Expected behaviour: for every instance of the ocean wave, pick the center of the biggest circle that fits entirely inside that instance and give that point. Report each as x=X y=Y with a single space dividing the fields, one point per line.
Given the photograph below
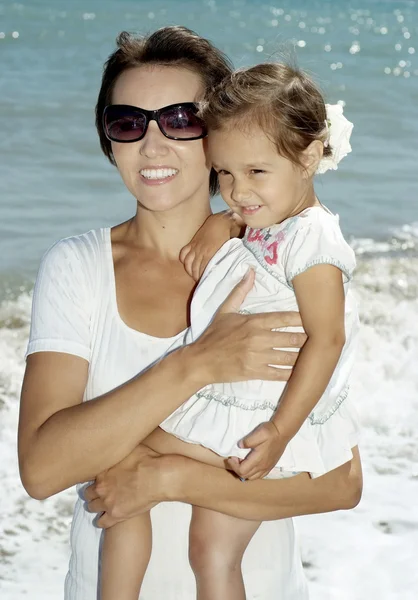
x=401 y=240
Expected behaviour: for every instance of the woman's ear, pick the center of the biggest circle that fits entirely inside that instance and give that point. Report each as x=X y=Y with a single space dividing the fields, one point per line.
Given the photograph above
x=311 y=157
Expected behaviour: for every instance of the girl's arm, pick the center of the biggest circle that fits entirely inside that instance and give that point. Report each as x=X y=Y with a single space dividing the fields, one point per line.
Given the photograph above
x=215 y=231
x=63 y=440
x=320 y=295
x=144 y=479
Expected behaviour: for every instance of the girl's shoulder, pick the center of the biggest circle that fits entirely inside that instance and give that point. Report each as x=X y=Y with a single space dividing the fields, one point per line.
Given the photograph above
x=314 y=218
x=312 y=237
x=313 y=223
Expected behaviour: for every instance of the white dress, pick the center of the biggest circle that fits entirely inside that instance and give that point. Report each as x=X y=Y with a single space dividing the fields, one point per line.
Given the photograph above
x=220 y=415
x=75 y=311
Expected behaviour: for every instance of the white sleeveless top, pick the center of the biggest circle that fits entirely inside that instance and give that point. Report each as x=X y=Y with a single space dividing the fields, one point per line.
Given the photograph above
x=75 y=311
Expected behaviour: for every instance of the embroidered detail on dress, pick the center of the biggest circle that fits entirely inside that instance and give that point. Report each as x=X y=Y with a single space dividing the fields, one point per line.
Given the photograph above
x=324 y=418
x=321 y=260
x=255 y=235
x=266 y=267
x=233 y=401
x=264 y=244
x=267 y=405
x=272 y=260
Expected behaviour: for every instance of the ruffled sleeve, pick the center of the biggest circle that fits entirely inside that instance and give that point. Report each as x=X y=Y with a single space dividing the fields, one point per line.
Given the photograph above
x=61 y=306
x=317 y=240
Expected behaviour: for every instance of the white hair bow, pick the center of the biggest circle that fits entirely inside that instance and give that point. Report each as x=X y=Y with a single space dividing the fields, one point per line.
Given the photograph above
x=338 y=137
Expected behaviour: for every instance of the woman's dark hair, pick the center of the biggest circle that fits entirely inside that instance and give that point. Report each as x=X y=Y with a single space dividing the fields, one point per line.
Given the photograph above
x=172 y=46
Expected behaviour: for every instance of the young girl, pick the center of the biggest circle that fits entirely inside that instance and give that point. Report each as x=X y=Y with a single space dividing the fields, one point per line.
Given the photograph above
x=269 y=133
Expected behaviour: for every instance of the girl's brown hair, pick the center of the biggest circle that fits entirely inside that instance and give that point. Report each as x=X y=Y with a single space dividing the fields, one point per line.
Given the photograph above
x=172 y=46
x=281 y=99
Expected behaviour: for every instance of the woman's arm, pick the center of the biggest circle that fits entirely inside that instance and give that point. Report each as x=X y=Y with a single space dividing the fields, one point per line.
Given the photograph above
x=144 y=479
x=63 y=440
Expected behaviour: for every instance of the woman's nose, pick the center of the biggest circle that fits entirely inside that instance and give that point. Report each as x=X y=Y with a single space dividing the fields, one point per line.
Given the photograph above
x=154 y=143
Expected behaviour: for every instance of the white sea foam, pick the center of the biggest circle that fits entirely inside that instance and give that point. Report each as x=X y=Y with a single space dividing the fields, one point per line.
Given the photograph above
x=402 y=239
x=365 y=554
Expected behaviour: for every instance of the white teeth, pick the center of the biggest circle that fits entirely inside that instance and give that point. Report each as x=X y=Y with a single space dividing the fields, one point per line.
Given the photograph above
x=157 y=173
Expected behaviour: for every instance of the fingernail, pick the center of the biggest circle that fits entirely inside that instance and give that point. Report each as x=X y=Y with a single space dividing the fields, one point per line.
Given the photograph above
x=240 y=444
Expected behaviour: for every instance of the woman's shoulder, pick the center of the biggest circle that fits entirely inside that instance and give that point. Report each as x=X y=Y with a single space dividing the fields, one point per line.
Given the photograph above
x=84 y=248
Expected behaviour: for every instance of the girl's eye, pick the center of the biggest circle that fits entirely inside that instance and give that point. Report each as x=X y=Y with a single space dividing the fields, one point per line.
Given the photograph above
x=223 y=172
x=256 y=171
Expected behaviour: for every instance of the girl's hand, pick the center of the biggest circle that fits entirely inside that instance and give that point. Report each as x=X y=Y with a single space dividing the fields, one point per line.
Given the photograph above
x=215 y=231
x=238 y=347
x=267 y=446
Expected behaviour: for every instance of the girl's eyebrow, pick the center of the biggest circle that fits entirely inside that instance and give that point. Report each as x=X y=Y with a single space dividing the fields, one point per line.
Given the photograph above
x=257 y=165
x=247 y=166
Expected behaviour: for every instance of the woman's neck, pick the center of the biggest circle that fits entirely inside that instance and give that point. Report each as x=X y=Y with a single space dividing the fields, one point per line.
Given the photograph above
x=167 y=232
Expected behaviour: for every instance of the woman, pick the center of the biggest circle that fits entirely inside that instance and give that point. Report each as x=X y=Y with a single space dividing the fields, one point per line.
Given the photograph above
x=109 y=303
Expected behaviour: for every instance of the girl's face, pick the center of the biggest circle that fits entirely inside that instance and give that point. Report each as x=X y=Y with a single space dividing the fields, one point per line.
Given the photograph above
x=185 y=168
x=263 y=187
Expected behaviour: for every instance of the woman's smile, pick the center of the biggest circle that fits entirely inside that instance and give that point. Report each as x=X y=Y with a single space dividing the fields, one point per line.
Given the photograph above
x=157 y=175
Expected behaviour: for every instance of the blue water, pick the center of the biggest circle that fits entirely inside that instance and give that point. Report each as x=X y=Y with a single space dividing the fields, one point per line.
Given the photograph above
x=54 y=180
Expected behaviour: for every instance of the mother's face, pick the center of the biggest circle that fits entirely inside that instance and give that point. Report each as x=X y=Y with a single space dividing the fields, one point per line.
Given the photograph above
x=185 y=175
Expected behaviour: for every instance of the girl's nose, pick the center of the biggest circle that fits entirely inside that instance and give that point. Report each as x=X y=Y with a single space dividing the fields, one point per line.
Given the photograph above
x=240 y=193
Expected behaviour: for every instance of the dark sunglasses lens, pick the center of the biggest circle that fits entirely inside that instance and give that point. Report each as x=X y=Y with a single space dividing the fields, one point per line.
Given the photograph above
x=182 y=122
x=123 y=125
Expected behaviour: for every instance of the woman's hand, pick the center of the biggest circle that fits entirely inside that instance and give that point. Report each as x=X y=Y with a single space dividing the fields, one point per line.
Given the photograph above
x=267 y=445
x=215 y=231
x=130 y=488
x=237 y=347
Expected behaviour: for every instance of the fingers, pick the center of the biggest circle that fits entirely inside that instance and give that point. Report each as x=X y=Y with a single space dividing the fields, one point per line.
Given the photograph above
x=90 y=493
x=184 y=252
x=238 y=219
x=258 y=475
x=277 y=374
x=278 y=320
x=95 y=506
x=197 y=269
x=105 y=521
x=238 y=294
x=286 y=339
x=249 y=466
x=281 y=358
x=188 y=262
x=256 y=437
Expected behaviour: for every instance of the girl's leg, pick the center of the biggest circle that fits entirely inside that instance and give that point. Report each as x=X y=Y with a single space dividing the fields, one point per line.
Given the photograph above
x=165 y=443
x=217 y=544
x=125 y=556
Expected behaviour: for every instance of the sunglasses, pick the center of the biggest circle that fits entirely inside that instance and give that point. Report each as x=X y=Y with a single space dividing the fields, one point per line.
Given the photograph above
x=123 y=123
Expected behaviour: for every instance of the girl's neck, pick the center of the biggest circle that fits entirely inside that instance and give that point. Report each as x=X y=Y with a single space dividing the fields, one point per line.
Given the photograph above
x=308 y=200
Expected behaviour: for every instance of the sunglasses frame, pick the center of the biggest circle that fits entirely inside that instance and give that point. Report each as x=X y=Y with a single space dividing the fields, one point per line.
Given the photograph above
x=152 y=115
